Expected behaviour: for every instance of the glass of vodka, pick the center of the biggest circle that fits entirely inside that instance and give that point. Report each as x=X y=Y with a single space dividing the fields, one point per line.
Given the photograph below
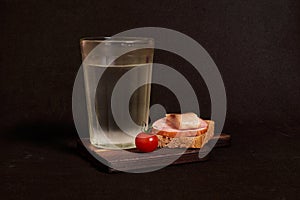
x=117 y=75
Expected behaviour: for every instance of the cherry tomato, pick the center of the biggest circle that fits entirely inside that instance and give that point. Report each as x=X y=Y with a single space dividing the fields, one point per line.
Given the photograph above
x=146 y=142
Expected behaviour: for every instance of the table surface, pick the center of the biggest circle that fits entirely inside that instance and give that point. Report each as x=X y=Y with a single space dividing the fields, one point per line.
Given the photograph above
x=262 y=162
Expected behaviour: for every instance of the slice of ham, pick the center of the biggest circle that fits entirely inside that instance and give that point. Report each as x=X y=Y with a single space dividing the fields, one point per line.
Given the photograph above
x=184 y=121
x=161 y=127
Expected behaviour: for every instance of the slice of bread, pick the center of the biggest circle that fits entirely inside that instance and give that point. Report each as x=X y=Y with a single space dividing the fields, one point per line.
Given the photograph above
x=197 y=141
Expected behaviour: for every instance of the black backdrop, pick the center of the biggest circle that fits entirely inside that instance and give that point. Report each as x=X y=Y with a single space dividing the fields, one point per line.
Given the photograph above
x=255 y=45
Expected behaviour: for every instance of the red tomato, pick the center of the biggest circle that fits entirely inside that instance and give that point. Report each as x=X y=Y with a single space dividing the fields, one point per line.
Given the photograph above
x=146 y=142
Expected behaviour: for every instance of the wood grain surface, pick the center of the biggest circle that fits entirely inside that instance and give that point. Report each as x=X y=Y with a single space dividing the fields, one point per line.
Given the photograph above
x=122 y=160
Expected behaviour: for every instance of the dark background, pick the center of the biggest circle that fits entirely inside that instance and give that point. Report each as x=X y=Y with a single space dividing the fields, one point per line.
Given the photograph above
x=255 y=45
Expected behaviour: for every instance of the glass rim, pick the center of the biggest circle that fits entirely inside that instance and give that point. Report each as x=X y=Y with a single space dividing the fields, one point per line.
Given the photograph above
x=127 y=40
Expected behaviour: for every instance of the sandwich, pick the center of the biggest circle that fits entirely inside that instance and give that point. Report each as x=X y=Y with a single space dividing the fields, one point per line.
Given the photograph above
x=183 y=131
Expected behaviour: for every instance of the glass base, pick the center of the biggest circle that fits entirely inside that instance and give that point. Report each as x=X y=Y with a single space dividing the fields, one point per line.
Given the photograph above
x=115 y=146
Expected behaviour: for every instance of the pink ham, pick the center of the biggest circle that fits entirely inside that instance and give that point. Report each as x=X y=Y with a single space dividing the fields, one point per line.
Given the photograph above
x=165 y=128
x=185 y=121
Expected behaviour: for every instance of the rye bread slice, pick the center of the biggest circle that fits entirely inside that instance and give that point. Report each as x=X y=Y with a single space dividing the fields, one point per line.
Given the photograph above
x=187 y=141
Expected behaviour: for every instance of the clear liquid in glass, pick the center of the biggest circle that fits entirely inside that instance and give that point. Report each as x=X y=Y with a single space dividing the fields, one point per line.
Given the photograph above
x=110 y=136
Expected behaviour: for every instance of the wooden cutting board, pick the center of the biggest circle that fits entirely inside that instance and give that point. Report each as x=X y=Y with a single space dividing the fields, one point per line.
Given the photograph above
x=124 y=161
